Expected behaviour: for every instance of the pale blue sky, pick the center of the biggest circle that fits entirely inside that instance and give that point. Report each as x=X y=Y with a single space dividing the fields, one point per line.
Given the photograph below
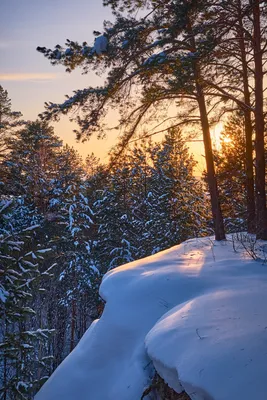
x=27 y=75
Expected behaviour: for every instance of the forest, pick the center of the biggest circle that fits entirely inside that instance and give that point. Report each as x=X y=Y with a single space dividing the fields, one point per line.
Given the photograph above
x=65 y=221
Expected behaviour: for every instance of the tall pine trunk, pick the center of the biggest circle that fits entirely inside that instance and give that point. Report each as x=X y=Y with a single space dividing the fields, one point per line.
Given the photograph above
x=73 y=310
x=259 y=126
x=211 y=176
x=250 y=194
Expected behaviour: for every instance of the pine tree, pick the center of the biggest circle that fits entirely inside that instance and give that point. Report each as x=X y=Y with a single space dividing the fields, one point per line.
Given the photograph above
x=166 y=55
x=259 y=49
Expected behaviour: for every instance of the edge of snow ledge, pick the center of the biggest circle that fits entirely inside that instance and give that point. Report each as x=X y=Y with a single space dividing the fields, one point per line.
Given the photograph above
x=198 y=310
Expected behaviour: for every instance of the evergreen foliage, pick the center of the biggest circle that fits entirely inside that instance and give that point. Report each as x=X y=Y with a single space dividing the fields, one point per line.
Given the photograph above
x=28 y=168
x=9 y=120
x=25 y=358
x=91 y=220
x=230 y=164
x=156 y=61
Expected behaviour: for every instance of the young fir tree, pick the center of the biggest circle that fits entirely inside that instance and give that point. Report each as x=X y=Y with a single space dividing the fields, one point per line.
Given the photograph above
x=9 y=120
x=150 y=203
x=70 y=227
x=140 y=174
x=25 y=358
x=29 y=166
x=176 y=201
x=114 y=218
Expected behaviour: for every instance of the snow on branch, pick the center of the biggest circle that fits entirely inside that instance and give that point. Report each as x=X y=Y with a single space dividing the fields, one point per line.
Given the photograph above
x=100 y=45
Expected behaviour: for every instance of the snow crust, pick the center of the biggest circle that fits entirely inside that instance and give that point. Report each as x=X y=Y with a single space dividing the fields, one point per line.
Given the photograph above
x=197 y=310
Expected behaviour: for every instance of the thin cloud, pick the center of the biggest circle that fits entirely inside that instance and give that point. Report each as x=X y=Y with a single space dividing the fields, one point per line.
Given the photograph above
x=35 y=77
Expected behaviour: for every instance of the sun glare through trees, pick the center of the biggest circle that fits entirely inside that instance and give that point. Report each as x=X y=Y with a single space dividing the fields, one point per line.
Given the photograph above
x=176 y=89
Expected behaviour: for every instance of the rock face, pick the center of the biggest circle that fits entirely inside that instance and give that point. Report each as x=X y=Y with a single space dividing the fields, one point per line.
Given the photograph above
x=159 y=390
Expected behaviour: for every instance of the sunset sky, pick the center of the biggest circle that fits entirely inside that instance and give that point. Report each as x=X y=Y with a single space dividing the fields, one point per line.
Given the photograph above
x=30 y=79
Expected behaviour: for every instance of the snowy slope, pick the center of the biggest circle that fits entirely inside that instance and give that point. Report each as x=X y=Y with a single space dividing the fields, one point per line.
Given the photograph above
x=199 y=311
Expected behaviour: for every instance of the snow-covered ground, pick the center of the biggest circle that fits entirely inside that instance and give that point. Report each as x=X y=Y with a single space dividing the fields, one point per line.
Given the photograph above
x=198 y=310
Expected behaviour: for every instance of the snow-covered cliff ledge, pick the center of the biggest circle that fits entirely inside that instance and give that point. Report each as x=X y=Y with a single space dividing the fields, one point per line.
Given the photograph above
x=198 y=310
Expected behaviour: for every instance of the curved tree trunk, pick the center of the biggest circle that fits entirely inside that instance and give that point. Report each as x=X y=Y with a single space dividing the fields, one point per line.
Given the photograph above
x=211 y=177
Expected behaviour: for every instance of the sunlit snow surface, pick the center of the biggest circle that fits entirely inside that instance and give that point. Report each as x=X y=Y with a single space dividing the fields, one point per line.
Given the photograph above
x=200 y=312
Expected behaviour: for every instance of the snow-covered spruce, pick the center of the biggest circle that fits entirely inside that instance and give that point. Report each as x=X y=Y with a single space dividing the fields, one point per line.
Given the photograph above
x=197 y=310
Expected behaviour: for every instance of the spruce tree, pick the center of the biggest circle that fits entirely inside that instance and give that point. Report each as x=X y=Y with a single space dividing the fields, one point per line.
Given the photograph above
x=28 y=168
x=25 y=358
x=9 y=120
x=114 y=218
x=70 y=229
x=230 y=163
x=176 y=201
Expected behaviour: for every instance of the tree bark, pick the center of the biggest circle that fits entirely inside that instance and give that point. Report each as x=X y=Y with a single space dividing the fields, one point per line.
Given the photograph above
x=211 y=176
x=259 y=126
x=73 y=309
x=250 y=194
x=73 y=324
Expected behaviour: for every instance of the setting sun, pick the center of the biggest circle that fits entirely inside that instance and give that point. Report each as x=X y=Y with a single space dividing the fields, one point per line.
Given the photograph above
x=226 y=140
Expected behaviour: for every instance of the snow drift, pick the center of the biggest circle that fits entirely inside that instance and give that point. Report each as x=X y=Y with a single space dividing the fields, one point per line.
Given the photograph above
x=197 y=310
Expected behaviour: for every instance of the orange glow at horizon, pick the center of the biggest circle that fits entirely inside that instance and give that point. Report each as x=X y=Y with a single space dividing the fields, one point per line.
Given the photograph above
x=101 y=147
